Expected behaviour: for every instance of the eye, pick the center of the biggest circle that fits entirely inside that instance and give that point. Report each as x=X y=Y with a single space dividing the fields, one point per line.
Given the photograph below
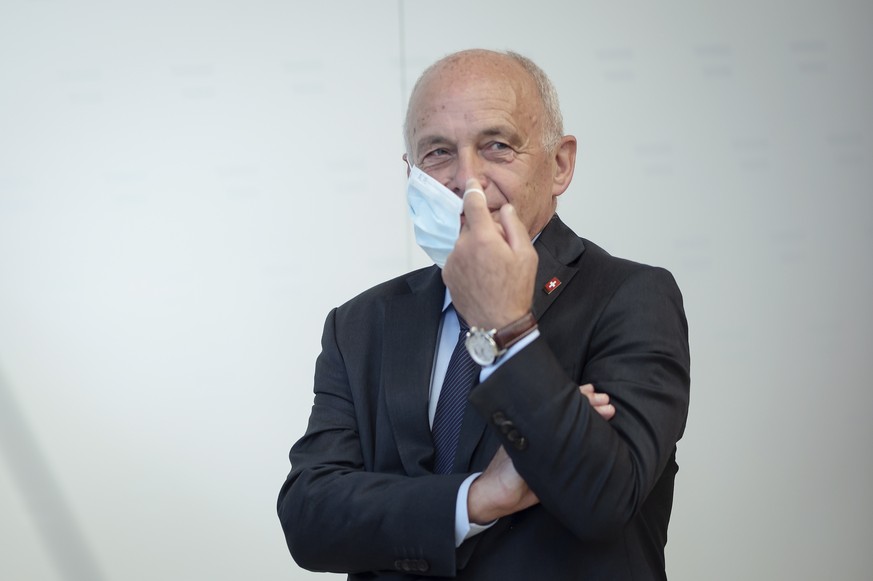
x=436 y=153
x=498 y=151
x=497 y=147
x=434 y=157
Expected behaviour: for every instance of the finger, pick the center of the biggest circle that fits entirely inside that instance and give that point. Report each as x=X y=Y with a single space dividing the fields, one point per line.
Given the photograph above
x=594 y=398
x=607 y=412
x=597 y=398
x=516 y=233
x=473 y=185
x=475 y=205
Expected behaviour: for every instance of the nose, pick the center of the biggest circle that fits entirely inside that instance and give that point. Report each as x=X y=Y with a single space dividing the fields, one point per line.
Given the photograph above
x=468 y=165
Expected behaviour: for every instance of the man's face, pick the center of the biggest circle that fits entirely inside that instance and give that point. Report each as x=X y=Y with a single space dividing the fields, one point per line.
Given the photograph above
x=481 y=117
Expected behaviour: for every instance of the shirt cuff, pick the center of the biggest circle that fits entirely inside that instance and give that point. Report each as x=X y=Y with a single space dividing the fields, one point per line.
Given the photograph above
x=522 y=343
x=464 y=529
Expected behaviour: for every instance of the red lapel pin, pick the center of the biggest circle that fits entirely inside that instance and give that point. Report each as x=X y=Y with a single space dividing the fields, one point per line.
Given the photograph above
x=552 y=285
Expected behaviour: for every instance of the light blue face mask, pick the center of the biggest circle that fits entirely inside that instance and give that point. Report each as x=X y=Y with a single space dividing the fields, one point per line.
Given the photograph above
x=436 y=215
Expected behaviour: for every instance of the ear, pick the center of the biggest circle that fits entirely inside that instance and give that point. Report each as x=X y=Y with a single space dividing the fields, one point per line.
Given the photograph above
x=565 y=164
x=408 y=165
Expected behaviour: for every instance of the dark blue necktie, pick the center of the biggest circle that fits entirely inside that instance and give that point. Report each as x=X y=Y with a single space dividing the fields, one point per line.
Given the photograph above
x=461 y=375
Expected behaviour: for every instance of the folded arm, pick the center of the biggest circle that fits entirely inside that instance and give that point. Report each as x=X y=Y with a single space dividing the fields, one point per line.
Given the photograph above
x=593 y=475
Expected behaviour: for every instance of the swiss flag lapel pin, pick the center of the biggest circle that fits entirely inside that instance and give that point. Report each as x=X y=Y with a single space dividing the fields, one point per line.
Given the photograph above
x=552 y=285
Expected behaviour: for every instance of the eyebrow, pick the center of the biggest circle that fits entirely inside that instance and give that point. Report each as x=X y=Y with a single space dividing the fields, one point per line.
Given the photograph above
x=507 y=132
x=429 y=141
x=493 y=132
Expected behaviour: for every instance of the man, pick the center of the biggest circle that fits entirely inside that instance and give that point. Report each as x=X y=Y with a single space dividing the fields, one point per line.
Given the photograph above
x=542 y=481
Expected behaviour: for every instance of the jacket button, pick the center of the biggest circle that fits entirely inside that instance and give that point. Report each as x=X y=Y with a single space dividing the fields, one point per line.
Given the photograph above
x=519 y=441
x=501 y=422
x=402 y=565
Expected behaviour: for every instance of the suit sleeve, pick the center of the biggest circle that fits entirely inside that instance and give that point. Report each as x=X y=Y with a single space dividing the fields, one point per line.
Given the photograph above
x=338 y=516
x=593 y=475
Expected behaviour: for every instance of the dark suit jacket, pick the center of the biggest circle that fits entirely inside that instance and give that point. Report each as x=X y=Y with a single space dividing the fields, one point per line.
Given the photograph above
x=361 y=497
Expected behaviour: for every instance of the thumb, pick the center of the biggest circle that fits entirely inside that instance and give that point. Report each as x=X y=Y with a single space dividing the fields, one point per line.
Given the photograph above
x=517 y=235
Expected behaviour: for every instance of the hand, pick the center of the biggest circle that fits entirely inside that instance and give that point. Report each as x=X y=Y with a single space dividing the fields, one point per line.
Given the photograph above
x=498 y=491
x=492 y=269
x=599 y=401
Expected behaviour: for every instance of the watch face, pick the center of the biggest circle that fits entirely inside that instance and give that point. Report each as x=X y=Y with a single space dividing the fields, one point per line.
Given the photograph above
x=481 y=347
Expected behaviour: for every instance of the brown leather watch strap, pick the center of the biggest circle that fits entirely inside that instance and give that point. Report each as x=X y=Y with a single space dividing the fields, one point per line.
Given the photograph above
x=507 y=336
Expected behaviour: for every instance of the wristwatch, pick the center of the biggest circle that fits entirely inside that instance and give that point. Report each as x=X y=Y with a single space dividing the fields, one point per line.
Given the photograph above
x=485 y=346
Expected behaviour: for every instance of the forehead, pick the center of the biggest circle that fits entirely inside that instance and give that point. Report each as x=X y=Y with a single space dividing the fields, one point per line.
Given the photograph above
x=471 y=93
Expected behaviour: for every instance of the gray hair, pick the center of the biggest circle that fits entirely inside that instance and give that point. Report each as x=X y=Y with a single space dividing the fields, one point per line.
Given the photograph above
x=553 y=124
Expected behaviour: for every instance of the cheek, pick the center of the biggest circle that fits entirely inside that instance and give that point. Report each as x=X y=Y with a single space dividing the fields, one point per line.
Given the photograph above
x=440 y=172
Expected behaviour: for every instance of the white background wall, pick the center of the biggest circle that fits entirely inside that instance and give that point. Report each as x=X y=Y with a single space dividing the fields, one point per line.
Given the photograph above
x=176 y=177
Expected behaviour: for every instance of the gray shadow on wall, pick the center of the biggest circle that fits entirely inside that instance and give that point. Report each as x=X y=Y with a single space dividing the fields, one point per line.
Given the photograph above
x=63 y=538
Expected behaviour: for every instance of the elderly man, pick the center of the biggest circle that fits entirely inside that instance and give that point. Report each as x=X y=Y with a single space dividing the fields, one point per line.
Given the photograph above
x=449 y=436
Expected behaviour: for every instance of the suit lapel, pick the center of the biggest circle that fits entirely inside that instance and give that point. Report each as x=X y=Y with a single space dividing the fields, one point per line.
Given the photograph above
x=557 y=247
x=411 y=326
x=472 y=430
